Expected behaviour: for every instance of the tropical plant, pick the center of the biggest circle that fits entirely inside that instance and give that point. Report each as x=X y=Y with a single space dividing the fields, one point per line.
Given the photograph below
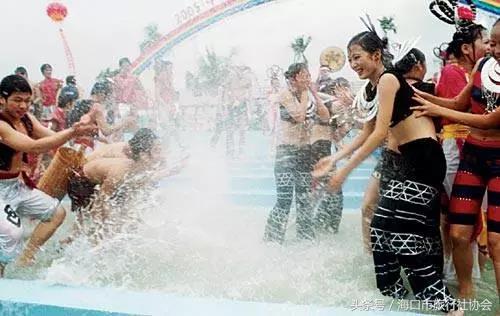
x=106 y=74
x=151 y=36
x=387 y=25
x=299 y=46
x=212 y=73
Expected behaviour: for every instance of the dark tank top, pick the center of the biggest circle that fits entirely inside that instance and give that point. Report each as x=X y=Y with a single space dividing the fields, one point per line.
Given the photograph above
x=403 y=99
x=6 y=152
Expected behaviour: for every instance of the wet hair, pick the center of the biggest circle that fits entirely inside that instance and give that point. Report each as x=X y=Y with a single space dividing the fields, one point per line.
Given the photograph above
x=294 y=69
x=142 y=142
x=101 y=87
x=81 y=108
x=329 y=86
x=21 y=70
x=465 y=35
x=68 y=94
x=342 y=82
x=45 y=67
x=413 y=58
x=70 y=80
x=326 y=85
x=12 y=84
x=123 y=60
x=370 y=42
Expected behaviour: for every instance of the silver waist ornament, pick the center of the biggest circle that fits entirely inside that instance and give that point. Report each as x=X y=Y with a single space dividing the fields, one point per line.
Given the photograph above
x=362 y=110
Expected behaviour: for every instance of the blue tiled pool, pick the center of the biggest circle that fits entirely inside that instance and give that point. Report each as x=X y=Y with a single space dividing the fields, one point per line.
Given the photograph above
x=250 y=183
x=38 y=298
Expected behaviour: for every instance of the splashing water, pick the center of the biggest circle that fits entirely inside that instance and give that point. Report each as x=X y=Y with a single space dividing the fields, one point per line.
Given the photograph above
x=196 y=242
x=187 y=237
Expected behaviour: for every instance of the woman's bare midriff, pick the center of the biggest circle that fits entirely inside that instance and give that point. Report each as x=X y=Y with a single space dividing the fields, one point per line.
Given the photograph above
x=485 y=134
x=321 y=132
x=292 y=134
x=413 y=128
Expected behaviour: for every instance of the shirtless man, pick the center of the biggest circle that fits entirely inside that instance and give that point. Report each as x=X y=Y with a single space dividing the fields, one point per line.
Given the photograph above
x=111 y=174
x=113 y=150
x=138 y=155
x=22 y=133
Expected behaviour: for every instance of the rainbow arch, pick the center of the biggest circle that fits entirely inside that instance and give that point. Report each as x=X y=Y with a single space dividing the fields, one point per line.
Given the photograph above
x=221 y=11
x=492 y=6
x=187 y=29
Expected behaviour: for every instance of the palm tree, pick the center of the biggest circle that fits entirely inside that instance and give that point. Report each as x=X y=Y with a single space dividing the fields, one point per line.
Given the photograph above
x=151 y=36
x=106 y=74
x=387 y=24
x=212 y=72
x=299 y=46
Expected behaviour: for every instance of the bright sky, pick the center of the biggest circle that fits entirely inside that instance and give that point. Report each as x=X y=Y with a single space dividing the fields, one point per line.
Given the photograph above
x=102 y=31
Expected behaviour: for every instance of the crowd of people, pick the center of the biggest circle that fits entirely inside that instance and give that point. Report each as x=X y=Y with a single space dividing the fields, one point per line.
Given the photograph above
x=114 y=129
x=439 y=158
x=430 y=209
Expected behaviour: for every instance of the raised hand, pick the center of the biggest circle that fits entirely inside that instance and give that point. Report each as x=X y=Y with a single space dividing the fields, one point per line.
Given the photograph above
x=324 y=166
x=335 y=182
x=313 y=87
x=82 y=129
x=344 y=96
x=426 y=108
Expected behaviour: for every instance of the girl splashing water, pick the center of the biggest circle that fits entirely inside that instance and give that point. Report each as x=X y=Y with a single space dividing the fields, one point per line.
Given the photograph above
x=298 y=106
x=405 y=226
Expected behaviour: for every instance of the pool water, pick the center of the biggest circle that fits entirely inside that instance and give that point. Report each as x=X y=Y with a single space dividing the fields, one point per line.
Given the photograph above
x=200 y=236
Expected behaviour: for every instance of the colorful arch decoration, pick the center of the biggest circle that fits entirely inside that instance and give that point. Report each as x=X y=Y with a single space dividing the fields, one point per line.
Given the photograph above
x=221 y=11
x=492 y=6
x=189 y=28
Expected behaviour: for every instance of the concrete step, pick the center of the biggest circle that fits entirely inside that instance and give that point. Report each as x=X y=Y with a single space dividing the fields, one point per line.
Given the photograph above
x=353 y=183
x=352 y=200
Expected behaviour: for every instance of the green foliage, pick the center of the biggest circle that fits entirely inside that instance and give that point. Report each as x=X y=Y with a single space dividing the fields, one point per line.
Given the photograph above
x=299 y=46
x=387 y=25
x=212 y=73
x=107 y=73
x=151 y=36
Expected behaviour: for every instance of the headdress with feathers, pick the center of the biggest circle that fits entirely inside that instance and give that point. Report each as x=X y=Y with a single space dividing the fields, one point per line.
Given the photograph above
x=450 y=12
x=396 y=51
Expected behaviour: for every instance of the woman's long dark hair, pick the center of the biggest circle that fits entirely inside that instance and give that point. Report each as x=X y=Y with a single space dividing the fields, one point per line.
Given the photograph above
x=370 y=42
x=465 y=36
x=413 y=58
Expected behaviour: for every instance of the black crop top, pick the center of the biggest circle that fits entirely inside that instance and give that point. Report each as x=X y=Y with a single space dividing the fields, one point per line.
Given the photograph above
x=403 y=100
x=6 y=152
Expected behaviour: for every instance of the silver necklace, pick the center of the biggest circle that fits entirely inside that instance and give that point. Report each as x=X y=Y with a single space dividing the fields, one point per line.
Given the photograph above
x=364 y=111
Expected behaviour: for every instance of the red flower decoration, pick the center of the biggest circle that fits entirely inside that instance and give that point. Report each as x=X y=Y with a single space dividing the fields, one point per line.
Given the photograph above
x=465 y=13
